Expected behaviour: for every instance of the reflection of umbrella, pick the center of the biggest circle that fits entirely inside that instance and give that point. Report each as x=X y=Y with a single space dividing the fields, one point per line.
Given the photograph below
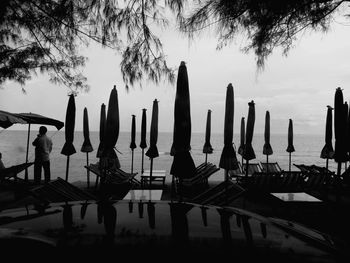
x=267 y=149
x=204 y=215
x=225 y=216
x=247 y=230
x=102 y=130
x=109 y=219
x=83 y=209
x=8 y=119
x=151 y=214
x=67 y=217
x=132 y=143
x=228 y=160
x=242 y=142
x=152 y=151
x=207 y=148
x=339 y=130
x=248 y=153
x=290 y=147
x=111 y=134
x=183 y=165
x=68 y=148
x=179 y=222
x=140 y=208
x=327 y=151
x=86 y=147
x=143 y=143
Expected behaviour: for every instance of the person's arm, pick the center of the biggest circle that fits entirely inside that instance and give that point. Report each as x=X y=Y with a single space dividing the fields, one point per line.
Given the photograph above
x=35 y=142
x=50 y=145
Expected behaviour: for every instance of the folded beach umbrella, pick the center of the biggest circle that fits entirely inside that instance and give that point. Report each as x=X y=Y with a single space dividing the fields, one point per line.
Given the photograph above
x=68 y=147
x=152 y=151
x=86 y=147
x=143 y=143
x=242 y=141
x=248 y=153
x=183 y=165
x=102 y=130
x=290 y=147
x=267 y=149
x=132 y=143
x=228 y=160
x=207 y=148
x=111 y=134
x=327 y=151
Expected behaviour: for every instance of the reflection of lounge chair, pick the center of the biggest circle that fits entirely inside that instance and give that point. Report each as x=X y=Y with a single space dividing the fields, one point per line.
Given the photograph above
x=271 y=167
x=115 y=175
x=221 y=194
x=199 y=182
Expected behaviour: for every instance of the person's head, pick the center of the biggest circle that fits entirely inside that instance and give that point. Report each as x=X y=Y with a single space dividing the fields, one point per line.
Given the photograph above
x=0 y=155
x=42 y=130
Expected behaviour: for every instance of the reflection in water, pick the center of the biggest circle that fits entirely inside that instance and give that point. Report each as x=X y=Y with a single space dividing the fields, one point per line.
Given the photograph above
x=263 y=230
x=225 y=216
x=179 y=223
x=109 y=219
x=238 y=220
x=83 y=210
x=151 y=214
x=204 y=215
x=67 y=217
x=140 y=205
x=131 y=206
x=290 y=197
x=99 y=213
x=247 y=230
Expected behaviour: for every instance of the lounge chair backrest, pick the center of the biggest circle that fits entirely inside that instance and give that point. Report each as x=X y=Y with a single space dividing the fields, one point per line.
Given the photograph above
x=271 y=167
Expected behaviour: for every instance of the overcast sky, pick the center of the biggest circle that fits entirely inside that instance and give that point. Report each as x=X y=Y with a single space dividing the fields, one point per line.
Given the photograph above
x=298 y=86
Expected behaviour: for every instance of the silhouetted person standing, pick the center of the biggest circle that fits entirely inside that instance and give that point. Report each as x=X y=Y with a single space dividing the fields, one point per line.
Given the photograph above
x=43 y=148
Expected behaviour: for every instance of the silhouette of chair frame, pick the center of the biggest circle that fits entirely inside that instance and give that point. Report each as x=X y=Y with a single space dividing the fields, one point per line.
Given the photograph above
x=190 y=186
x=115 y=176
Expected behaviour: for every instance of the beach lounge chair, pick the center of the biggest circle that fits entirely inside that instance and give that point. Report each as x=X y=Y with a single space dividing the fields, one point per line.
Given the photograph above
x=114 y=175
x=60 y=190
x=271 y=167
x=252 y=168
x=191 y=186
x=11 y=172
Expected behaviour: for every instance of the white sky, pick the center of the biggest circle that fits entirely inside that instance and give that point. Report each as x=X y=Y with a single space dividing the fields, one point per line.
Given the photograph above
x=298 y=86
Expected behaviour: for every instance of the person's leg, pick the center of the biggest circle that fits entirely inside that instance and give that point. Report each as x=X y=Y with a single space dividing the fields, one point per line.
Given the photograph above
x=37 y=172
x=47 y=173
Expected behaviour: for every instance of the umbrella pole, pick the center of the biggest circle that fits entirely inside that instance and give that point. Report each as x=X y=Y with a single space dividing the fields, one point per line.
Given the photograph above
x=67 y=167
x=142 y=161
x=26 y=170
x=267 y=163
x=206 y=158
x=327 y=165
x=132 y=161
x=87 y=170
x=290 y=161
x=150 y=174
x=338 y=181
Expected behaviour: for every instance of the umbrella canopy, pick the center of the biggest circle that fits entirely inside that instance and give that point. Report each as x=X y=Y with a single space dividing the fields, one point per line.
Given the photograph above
x=102 y=130
x=207 y=148
x=7 y=119
x=339 y=127
x=86 y=147
x=267 y=149
x=228 y=158
x=248 y=153
x=112 y=130
x=327 y=151
x=183 y=165
x=152 y=151
x=290 y=147
x=143 y=143
x=68 y=147
x=133 y=132
x=242 y=141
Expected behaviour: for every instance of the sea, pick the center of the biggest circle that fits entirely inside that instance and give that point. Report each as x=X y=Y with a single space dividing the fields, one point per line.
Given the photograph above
x=13 y=145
